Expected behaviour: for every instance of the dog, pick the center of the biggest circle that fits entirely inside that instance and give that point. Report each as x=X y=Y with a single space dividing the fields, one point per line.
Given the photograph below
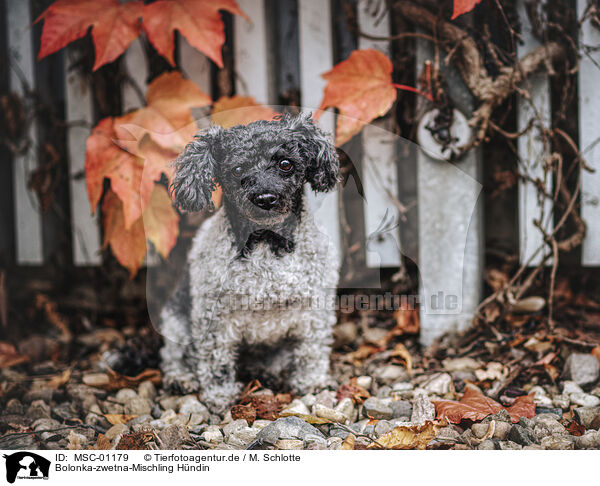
x=257 y=266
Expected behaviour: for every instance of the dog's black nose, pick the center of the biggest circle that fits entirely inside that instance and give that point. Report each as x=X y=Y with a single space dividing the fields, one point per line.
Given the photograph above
x=265 y=201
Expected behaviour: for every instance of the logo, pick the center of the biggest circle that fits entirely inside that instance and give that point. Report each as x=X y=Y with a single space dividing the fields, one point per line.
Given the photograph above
x=26 y=465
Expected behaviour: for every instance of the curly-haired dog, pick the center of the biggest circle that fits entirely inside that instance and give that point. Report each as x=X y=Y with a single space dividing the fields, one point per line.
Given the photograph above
x=259 y=272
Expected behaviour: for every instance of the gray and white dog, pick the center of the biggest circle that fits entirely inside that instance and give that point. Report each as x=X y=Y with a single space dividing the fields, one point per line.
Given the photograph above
x=259 y=271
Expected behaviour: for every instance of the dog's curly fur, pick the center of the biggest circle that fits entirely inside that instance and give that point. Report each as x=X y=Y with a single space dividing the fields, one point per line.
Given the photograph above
x=256 y=269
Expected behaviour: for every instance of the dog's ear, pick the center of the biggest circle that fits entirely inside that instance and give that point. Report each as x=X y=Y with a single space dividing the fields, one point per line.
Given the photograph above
x=317 y=147
x=194 y=182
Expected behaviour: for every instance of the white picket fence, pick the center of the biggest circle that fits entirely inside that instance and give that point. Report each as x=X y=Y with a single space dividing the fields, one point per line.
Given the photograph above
x=450 y=225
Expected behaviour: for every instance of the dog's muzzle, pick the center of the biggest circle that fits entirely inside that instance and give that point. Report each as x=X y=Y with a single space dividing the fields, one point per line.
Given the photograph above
x=265 y=201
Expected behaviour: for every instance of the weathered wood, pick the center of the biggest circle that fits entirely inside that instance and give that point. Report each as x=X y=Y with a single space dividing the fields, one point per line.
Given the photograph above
x=254 y=75
x=79 y=109
x=533 y=153
x=316 y=58
x=27 y=215
x=589 y=136
x=379 y=170
x=450 y=228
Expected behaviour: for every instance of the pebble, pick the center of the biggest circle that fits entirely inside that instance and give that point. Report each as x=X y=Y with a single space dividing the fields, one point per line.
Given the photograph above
x=138 y=406
x=557 y=442
x=589 y=440
x=14 y=407
x=586 y=415
x=423 y=410
x=448 y=433
x=330 y=414
x=289 y=444
x=582 y=368
x=383 y=427
x=438 y=384
x=125 y=395
x=116 y=431
x=391 y=373
x=146 y=389
x=96 y=379
x=570 y=387
x=561 y=401
x=77 y=441
x=520 y=435
x=45 y=424
x=287 y=428
x=384 y=391
x=19 y=442
x=480 y=430
x=234 y=426
x=584 y=399
x=509 y=445
x=344 y=334
x=242 y=437
x=38 y=409
x=346 y=407
x=487 y=445
x=540 y=397
x=169 y=402
x=212 y=434
x=142 y=419
x=296 y=406
x=325 y=398
x=364 y=382
x=174 y=437
x=502 y=430
x=401 y=409
x=461 y=364
x=334 y=443
x=309 y=400
x=314 y=442
x=375 y=408
x=191 y=406
x=547 y=425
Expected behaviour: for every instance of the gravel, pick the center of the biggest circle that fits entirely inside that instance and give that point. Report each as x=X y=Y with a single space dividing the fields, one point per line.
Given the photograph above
x=376 y=408
x=582 y=368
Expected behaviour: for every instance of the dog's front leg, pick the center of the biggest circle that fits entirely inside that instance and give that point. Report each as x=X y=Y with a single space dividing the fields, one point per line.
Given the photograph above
x=217 y=374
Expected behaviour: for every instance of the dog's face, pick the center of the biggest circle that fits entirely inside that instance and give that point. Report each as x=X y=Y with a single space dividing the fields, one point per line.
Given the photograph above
x=261 y=167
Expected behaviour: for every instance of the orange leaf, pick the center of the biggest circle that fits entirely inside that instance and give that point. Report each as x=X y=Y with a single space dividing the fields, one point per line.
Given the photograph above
x=361 y=88
x=128 y=245
x=596 y=352
x=114 y=26
x=463 y=7
x=9 y=356
x=198 y=21
x=475 y=406
x=161 y=221
x=239 y=110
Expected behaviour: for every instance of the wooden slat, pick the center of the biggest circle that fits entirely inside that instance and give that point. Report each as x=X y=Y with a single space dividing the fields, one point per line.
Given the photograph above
x=252 y=54
x=84 y=226
x=589 y=137
x=533 y=154
x=316 y=57
x=28 y=220
x=450 y=228
x=380 y=176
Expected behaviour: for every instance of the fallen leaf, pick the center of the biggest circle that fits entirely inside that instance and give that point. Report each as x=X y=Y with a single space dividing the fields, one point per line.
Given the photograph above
x=102 y=443
x=475 y=406
x=113 y=381
x=408 y=437
x=528 y=305
x=463 y=7
x=352 y=390
x=114 y=26
x=349 y=443
x=239 y=110
x=199 y=21
x=266 y=406
x=407 y=321
x=10 y=357
x=59 y=380
x=576 y=429
x=361 y=88
x=401 y=351
x=311 y=419
x=161 y=221
x=246 y=412
x=596 y=352
x=118 y=418
x=493 y=371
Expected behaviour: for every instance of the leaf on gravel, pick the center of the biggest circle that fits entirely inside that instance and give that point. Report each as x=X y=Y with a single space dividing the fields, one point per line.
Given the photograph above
x=361 y=88
x=239 y=110
x=408 y=437
x=349 y=443
x=59 y=380
x=401 y=352
x=475 y=406
x=596 y=352
x=118 y=418
x=267 y=407
x=102 y=444
x=407 y=322
x=352 y=390
x=246 y=412
x=113 y=381
x=9 y=356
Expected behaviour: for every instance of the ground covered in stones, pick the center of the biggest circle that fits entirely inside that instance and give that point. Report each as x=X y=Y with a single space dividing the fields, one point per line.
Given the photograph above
x=387 y=398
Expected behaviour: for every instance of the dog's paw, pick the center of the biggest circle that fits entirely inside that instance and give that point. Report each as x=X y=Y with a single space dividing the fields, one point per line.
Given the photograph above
x=181 y=384
x=220 y=398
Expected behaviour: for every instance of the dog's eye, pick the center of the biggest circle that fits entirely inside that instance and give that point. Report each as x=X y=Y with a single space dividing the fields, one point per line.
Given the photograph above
x=237 y=171
x=285 y=165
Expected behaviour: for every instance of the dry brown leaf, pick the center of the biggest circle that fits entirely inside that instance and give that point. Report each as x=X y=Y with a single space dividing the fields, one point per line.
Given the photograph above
x=412 y=437
x=352 y=390
x=118 y=418
x=50 y=309
x=596 y=352
x=475 y=406
x=117 y=381
x=9 y=356
x=246 y=412
x=311 y=419
x=59 y=380
x=401 y=352
x=349 y=443
x=102 y=444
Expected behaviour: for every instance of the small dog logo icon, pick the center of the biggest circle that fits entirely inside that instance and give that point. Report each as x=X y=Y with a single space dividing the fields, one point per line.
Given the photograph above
x=26 y=465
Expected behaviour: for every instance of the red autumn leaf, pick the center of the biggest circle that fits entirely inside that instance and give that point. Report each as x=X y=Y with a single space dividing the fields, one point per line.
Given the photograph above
x=239 y=110
x=114 y=26
x=199 y=21
x=361 y=88
x=463 y=7
x=161 y=222
x=475 y=406
x=128 y=245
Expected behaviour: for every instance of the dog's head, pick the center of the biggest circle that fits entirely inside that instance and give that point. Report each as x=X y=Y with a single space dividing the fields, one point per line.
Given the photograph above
x=261 y=167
